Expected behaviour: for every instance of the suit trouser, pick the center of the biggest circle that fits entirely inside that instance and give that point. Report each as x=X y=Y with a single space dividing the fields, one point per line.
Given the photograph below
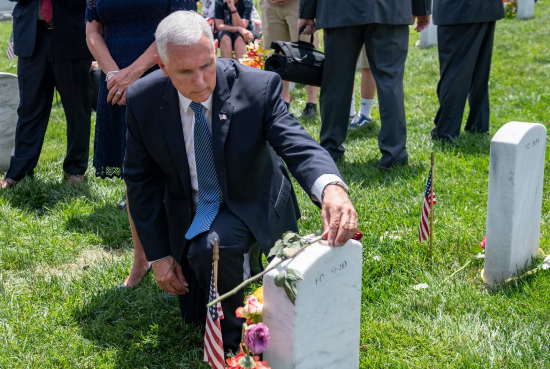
x=386 y=47
x=234 y=240
x=465 y=52
x=38 y=76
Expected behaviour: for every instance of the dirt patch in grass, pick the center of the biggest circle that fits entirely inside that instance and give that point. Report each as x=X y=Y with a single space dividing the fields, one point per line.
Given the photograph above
x=83 y=262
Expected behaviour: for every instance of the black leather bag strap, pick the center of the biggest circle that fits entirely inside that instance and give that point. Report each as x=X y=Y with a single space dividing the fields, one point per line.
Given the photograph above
x=302 y=29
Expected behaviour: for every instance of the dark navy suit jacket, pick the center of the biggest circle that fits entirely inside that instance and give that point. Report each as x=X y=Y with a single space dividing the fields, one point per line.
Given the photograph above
x=251 y=132
x=69 y=28
x=447 y=12
x=345 y=13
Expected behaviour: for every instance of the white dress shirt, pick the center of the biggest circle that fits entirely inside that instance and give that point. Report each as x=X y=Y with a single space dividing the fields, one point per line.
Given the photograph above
x=188 y=124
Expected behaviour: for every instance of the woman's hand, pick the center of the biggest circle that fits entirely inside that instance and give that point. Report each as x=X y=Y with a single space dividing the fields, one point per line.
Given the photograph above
x=118 y=85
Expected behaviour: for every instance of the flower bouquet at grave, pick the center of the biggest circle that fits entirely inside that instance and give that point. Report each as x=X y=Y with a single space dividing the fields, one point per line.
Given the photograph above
x=510 y=8
x=255 y=55
x=255 y=337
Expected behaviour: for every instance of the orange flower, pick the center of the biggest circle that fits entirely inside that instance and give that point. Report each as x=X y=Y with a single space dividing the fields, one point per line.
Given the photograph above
x=259 y=294
x=233 y=361
x=260 y=364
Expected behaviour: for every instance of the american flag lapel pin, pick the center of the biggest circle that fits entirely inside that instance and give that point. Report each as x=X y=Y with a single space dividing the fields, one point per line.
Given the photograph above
x=223 y=116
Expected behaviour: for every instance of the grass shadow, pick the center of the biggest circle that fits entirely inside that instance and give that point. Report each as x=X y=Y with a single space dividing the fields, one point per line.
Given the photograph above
x=368 y=173
x=467 y=144
x=108 y=222
x=140 y=328
x=368 y=131
x=38 y=197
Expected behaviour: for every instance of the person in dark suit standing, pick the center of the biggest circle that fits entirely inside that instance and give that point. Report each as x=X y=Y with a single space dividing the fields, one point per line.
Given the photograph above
x=50 y=41
x=203 y=161
x=383 y=27
x=465 y=33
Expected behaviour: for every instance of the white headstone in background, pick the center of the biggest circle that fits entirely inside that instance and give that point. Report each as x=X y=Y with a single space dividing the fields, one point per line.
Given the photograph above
x=9 y=101
x=526 y=9
x=428 y=36
x=514 y=203
x=322 y=329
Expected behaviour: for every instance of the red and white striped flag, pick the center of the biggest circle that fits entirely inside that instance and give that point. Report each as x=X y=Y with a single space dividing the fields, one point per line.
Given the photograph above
x=424 y=230
x=9 y=51
x=213 y=344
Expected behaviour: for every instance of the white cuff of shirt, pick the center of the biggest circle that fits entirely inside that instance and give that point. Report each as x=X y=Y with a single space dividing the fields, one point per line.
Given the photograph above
x=320 y=184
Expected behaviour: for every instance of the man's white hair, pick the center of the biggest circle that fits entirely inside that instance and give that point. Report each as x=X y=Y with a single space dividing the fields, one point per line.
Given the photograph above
x=181 y=28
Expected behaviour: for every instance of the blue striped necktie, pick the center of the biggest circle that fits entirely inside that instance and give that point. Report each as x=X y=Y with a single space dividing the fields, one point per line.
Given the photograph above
x=209 y=188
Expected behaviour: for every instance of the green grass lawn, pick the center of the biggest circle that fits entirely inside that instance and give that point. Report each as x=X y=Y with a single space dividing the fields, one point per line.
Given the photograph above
x=64 y=251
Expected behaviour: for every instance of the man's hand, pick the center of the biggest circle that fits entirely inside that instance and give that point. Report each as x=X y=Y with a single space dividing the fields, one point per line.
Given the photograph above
x=422 y=21
x=309 y=24
x=247 y=35
x=339 y=216
x=169 y=276
x=278 y=2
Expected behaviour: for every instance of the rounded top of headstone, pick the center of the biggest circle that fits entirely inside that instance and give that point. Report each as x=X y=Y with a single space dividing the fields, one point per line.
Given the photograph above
x=8 y=75
x=514 y=132
x=312 y=255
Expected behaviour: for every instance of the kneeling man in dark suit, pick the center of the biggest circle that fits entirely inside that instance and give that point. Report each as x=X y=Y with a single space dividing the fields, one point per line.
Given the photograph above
x=203 y=160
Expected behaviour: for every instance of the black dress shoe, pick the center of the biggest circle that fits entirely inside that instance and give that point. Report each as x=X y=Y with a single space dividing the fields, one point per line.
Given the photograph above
x=7 y=183
x=386 y=166
x=310 y=111
x=436 y=136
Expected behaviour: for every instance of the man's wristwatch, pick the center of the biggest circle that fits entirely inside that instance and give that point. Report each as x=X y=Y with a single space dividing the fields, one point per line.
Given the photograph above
x=336 y=183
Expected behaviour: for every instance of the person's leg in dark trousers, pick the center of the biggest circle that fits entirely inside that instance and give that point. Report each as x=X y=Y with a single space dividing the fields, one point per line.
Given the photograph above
x=387 y=47
x=342 y=48
x=234 y=240
x=478 y=97
x=74 y=85
x=458 y=47
x=36 y=86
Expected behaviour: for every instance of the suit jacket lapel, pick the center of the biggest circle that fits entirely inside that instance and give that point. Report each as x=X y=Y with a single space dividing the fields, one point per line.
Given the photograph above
x=222 y=112
x=171 y=120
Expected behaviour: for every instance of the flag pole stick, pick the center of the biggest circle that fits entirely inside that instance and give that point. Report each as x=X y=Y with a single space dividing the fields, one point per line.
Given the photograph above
x=432 y=206
x=216 y=258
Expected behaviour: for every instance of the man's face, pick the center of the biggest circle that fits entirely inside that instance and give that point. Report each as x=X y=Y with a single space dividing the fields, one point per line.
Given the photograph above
x=192 y=69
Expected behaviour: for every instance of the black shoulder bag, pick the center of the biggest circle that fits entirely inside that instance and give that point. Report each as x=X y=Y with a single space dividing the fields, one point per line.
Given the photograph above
x=297 y=61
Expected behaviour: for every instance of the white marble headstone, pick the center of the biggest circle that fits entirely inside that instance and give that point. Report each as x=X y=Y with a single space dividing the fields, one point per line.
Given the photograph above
x=9 y=101
x=322 y=329
x=514 y=203
x=428 y=36
x=526 y=9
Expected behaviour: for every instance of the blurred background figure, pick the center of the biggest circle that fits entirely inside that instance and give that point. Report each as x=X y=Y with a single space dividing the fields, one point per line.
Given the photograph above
x=465 y=33
x=121 y=37
x=382 y=26
x=51 y=57
x=368 y=90
x=234 y=26
x=280 y=23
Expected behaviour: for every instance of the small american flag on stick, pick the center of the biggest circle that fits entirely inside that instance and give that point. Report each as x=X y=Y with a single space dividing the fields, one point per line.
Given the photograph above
x=9 y=51
x=424 y=230
x=213 y=344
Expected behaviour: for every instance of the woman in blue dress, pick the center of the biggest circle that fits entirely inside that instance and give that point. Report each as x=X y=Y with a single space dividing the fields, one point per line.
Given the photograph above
x=121 y=37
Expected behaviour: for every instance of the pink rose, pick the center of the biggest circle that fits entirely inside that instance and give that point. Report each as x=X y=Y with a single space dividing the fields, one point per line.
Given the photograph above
x=253 y=306
x=482 y=243
x=256 y=338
